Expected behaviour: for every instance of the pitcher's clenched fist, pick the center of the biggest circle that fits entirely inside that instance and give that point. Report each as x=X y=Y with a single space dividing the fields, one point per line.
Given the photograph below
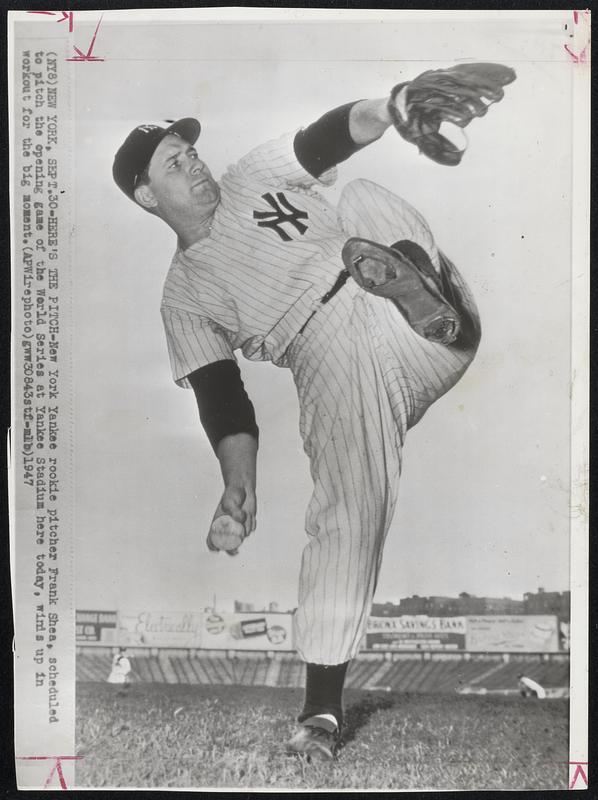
x=226 y=534
x=233 y=521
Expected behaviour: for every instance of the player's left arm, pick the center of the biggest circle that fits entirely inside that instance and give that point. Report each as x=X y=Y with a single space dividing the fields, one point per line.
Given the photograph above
x=340 y=133
x=368 y=120
x=303 y=158
x=417 y=109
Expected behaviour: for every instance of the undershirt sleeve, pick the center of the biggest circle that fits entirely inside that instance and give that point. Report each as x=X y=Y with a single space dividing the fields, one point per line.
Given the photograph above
x=326 y=142
x=224 y=406
x=193 y=342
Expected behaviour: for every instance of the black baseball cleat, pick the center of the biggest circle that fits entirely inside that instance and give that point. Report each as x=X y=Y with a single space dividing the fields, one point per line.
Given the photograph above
x=314 y=742
x=405 y=275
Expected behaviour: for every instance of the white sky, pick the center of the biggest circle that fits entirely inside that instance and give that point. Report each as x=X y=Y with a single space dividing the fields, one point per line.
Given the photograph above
x=484 y=494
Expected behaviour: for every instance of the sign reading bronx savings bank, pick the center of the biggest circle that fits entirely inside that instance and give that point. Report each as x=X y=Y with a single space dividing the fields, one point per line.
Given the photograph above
x=415 y=633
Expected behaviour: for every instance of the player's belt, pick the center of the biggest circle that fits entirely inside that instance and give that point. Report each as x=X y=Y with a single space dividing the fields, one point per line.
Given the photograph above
x=343 y=276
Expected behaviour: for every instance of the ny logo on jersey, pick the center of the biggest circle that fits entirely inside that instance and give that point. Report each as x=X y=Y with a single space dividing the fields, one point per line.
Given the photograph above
x=283 y=212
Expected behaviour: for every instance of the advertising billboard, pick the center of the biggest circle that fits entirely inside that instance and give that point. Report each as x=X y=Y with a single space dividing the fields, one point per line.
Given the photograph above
x=160 y=629
x=417 y=632
x=247 y=631
x=518 y=633
x=96 y=626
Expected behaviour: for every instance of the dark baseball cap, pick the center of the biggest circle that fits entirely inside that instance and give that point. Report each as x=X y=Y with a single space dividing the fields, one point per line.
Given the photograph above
x=136 y=152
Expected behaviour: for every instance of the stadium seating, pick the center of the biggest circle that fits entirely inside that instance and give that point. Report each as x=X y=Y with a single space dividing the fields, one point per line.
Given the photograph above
x=93 y=666
x=547 y=674
x=406 y=672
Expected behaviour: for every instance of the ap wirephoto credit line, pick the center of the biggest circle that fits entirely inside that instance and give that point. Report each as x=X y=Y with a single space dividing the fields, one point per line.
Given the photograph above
x=352 y=552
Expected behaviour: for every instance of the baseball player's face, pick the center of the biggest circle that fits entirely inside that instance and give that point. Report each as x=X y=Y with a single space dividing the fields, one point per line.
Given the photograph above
x=180 y=180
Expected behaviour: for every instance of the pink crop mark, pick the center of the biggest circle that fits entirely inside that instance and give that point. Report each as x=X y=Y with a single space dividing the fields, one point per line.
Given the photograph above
x=582 y=56
x=70 y=16
x=579 y=772
x=65 y=15
x=89 y=55
x=57 y=767
x=577 y=58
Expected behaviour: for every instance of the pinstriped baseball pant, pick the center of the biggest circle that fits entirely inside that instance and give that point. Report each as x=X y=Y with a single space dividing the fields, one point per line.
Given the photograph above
x=363 y=377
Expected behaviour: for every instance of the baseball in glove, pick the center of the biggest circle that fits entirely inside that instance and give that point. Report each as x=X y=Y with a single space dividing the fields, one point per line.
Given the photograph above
x=456 y=95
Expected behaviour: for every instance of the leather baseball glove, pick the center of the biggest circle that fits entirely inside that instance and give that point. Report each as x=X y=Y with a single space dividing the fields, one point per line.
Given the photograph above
x=456 y=95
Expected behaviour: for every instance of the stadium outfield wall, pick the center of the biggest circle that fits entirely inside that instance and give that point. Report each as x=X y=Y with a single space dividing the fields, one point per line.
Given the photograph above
x=269 y=631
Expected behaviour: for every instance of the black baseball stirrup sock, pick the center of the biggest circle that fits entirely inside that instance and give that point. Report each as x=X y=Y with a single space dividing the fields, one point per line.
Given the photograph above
x=324 y=691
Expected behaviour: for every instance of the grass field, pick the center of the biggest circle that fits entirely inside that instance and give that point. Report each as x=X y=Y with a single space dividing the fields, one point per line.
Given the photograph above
x=209 y=736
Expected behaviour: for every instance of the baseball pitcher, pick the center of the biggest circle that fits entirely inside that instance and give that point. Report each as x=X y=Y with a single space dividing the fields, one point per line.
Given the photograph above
x=358 y=301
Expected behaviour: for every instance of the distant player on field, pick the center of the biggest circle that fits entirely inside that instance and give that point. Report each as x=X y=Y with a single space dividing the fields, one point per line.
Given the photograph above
x=528 y=687
x=120 y=671
x=358 y=301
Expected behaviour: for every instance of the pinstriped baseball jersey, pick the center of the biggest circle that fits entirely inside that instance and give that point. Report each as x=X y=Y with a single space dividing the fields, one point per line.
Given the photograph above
x=363 y=376
x=272 y=253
